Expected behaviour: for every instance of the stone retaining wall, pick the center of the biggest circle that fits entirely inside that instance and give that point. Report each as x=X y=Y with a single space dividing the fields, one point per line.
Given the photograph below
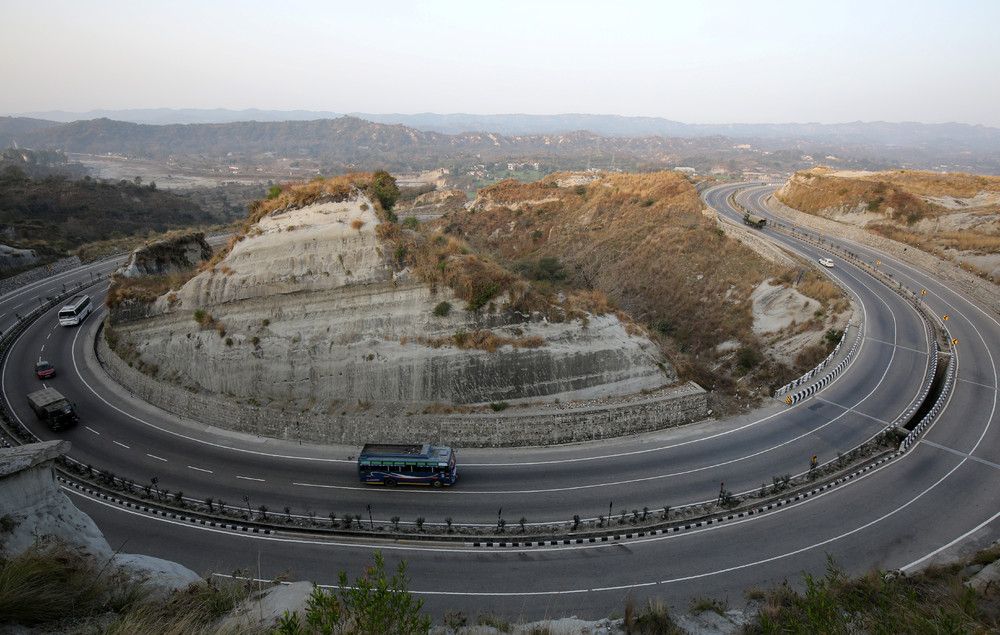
x=537 y=425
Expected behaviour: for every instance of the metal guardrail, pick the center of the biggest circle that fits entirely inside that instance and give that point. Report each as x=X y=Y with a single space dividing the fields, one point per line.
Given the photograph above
x=598 y=533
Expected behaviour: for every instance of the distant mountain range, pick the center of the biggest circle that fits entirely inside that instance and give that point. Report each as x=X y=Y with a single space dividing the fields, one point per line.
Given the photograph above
x=954 y=137
x=420 y=142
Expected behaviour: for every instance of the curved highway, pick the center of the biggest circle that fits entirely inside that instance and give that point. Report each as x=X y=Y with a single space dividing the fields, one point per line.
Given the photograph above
x=937 y=498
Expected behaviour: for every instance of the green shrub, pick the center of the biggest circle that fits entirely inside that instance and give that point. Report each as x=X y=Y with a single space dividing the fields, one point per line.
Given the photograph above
x=483 y=296
x=442 y=309
x=747 y=358
x=375 y=604
x=383 y=188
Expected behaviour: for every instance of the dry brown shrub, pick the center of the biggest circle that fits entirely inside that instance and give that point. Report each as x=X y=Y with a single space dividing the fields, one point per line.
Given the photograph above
x=529 y=342
x=818 y=287
x=478 y=281
x=482 y=340
x=438 y=409
x=435 y=342
x=486 y=340
x=968 y=241
x=357 y=223
x=145 y=288
x=389 y=232
x=637 y=243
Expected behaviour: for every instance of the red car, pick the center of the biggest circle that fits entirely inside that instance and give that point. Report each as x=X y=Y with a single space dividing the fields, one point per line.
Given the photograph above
x=45 y=370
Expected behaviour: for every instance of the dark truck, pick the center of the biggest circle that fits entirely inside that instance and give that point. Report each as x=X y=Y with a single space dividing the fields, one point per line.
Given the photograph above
x=52 y=408
x=754 y=221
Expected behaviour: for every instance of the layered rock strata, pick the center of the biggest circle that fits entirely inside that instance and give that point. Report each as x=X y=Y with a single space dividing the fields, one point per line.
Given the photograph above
x=310 y=311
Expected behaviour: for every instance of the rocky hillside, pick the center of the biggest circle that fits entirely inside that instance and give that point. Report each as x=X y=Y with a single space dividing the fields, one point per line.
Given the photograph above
x=955 y=216
x=642 y=244
x=36 y=512
x=167 y=256
x=323 y=302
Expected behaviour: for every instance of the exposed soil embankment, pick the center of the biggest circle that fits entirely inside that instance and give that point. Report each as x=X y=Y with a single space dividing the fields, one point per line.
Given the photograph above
x=953 y=216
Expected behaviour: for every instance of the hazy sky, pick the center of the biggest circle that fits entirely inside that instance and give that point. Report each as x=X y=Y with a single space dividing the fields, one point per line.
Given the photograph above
x=691 y=61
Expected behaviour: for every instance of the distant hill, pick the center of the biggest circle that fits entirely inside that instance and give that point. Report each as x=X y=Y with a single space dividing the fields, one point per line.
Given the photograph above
x=348 y=139
x=62 y=214
x=349 y=143
x=938 y=135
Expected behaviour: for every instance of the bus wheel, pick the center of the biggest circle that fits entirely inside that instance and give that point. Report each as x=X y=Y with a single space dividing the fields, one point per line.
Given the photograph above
x=436 y=483
x=390 y=482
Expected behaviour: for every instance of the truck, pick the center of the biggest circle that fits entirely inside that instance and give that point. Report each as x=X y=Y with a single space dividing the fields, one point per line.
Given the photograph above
x=52 y=408
x=754 y=221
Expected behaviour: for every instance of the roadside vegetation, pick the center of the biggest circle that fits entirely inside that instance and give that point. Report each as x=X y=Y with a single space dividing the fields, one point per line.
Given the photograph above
x=57 y=589
x=936 y=600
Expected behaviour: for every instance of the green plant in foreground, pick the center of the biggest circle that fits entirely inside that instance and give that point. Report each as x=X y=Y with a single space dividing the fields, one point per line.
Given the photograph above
x=934 y=601
x=488 y=619
x=654 y=620
x=373 y=605
x=47 y=583
x=701 y=604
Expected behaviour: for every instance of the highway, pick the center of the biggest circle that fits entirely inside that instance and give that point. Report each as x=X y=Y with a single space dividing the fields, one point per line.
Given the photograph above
x=937 y=500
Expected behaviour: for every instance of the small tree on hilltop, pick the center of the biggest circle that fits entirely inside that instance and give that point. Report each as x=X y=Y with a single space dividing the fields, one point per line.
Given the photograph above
x=384 y=189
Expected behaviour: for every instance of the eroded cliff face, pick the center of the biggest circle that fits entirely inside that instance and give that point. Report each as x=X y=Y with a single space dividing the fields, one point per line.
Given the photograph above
x=166 y=256
x=310 y=309
x=14 y=258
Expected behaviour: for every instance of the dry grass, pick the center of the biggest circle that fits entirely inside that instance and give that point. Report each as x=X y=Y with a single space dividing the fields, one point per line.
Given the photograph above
x=934 y=601
x=900 y=199
x=295 y=195
x=146 y=288
x=818 y=287
x=481 y=340
x=60 y=589
x=828 y=187
x=631 y=242
x=437 y=258
x=818 y=190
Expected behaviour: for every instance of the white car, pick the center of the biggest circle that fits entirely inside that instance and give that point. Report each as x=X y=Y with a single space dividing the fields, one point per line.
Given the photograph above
x=826 y=262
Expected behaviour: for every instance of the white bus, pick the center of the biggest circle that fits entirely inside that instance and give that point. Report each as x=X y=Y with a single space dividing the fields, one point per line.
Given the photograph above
x=75 y=311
